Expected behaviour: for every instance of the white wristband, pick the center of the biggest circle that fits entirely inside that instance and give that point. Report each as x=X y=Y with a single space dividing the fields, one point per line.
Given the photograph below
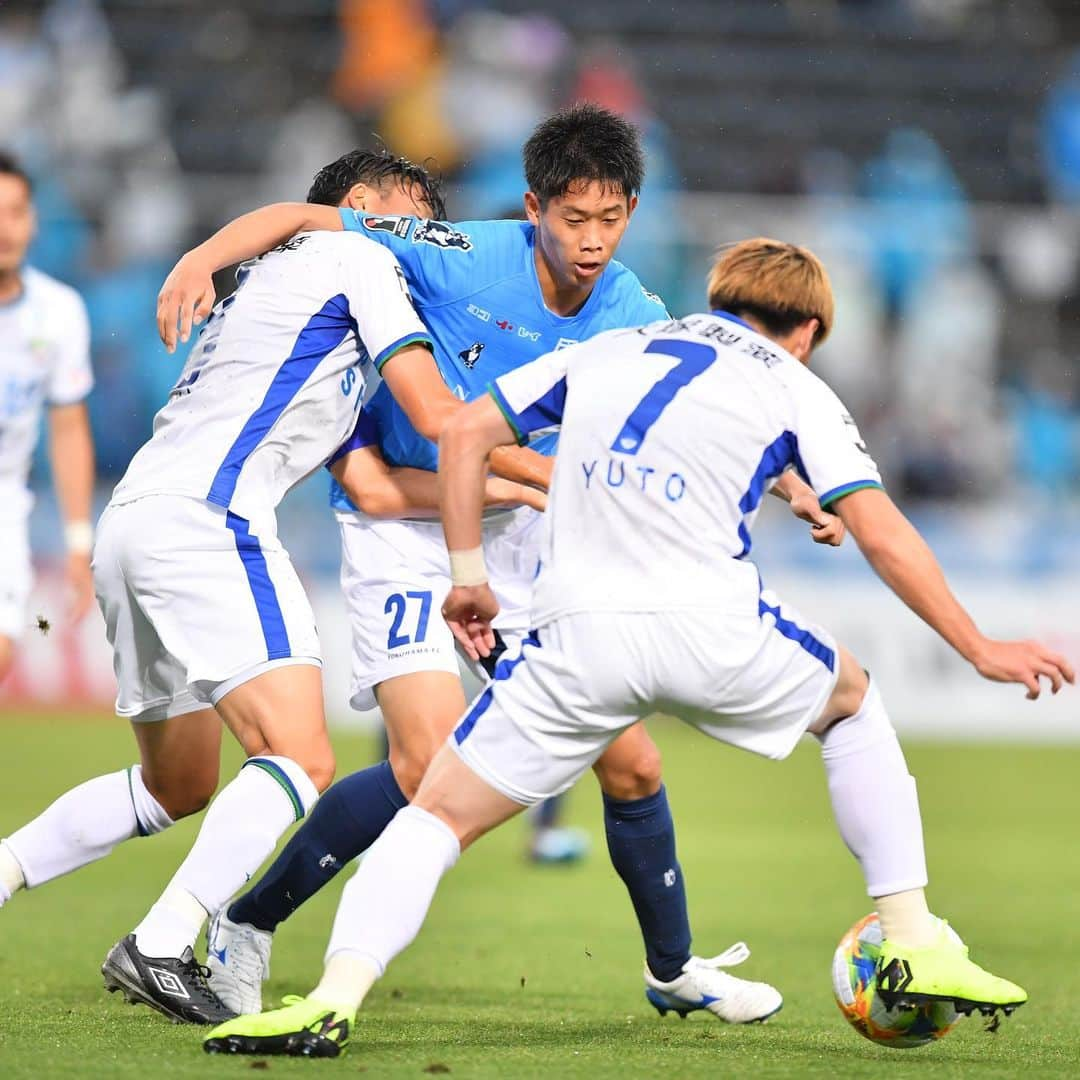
x=79 y=537
x=468 y=567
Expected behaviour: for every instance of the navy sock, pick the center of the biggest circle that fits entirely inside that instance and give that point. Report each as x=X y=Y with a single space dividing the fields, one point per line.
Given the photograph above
x=346 y=821
x=548 y=812
x=641 y=842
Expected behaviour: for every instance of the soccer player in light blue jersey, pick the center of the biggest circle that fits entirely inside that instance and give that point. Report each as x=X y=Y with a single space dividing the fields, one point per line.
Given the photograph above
x=495 y=294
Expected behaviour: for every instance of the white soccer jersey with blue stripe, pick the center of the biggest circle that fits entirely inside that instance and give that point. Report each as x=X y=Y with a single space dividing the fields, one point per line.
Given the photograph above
x=273 y=385
x=671 y=434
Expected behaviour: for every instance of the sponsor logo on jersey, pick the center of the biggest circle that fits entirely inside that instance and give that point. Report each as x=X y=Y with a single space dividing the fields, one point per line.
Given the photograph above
x=441 y=235
x=565 y=343
x=479 y=313
x=470 y=355
x=391 y=223
x=531 y=335
x=293 y=244
x=504 y=324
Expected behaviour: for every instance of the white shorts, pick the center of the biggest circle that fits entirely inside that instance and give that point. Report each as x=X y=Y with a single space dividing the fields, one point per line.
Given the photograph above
x=755 y=682
x=16 y=577
x=195 y=604
x=395 y=576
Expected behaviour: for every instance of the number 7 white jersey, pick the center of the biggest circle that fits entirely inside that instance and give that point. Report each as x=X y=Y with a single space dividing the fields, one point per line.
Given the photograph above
x=670 y=436
x=272 y=386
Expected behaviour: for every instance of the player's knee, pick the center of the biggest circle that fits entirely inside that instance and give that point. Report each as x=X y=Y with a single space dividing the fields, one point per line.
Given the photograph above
x=320 y=767
x=627 y=776
x=409 y=765
x=180 y=799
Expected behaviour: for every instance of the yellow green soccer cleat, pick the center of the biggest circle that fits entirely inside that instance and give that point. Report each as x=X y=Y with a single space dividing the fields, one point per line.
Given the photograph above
x=303 y=1028
x=908 y=977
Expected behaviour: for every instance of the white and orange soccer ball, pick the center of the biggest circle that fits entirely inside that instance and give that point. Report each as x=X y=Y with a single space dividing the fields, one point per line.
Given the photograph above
x=855 y=988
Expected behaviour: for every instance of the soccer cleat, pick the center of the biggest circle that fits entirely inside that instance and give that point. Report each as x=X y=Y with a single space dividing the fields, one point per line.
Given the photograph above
x=238 y=959
x=908 y=976
x=702 y=985
x=559 y=845
x=175 y=987
x=303 y=1028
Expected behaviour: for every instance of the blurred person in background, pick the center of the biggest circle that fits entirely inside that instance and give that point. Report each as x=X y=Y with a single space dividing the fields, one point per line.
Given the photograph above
x=44 y=360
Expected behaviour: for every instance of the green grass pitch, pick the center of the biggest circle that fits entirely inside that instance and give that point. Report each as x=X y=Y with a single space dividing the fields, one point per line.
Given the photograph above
x=523 y=971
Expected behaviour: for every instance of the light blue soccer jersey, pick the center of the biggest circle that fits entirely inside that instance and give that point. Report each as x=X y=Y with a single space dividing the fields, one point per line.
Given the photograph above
x=474 y=285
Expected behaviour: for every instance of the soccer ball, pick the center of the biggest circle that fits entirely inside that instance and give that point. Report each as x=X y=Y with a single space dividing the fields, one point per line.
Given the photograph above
x=856 y=994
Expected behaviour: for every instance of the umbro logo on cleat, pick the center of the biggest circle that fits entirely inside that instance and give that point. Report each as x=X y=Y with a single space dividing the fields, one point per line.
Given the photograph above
x=896 y=978
x=168 y=983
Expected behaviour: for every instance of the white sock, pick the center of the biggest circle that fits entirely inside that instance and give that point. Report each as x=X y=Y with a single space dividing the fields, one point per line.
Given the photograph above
x=240 y=830
x=874 y=799
x=905 y=918
x=387 y=900
x=11 y=875
x=347 y=978
x=85 y=825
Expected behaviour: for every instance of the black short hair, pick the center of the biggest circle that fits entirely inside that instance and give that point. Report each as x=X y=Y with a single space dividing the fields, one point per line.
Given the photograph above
x=376 y=167
x=583 y=142
x=9 y=166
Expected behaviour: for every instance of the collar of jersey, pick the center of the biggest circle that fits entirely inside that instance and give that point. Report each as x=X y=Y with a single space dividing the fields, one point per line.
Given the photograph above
x=585 y=309
x=733 y=318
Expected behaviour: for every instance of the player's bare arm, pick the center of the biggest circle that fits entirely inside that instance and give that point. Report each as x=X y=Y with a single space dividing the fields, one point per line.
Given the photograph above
x=464 y=447
x=904 y=561
x=385 y=491
x=418 y=387
x=825 y=528
x=71 y=453
x=187 y=296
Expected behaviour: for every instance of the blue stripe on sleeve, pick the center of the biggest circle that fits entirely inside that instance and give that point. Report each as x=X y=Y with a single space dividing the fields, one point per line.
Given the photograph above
x=846 y=489
x=262 y=588
x=544 y=412
x=418 y=338
x=324 y=332
x=509 y=415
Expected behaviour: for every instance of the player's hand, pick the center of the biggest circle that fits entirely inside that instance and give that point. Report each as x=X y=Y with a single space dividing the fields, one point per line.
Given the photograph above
x=80 y=581
x=825 y=528
x=500 y=492
x=468 y=611
x=186 y=298
x=1023 y=662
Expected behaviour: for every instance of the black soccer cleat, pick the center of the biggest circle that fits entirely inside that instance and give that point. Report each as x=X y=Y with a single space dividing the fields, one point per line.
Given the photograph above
x=176 y=988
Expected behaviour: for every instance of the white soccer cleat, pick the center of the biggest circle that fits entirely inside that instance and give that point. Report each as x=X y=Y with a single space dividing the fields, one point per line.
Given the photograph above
x=238 y=956
x=702 y=985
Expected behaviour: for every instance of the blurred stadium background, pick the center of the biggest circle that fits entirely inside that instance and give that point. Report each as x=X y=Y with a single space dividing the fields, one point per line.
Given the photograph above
x=929 y=150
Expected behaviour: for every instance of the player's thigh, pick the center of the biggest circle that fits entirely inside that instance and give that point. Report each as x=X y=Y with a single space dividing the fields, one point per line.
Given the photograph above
x=180 y=758
x=151 y=683
x=280 y=712
x=542 y=721
x=419 y=711
x=461 y=798
x=847 y=696
x=754 y=682
x=630 y=768
x=220 y=593
x=394 y=576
